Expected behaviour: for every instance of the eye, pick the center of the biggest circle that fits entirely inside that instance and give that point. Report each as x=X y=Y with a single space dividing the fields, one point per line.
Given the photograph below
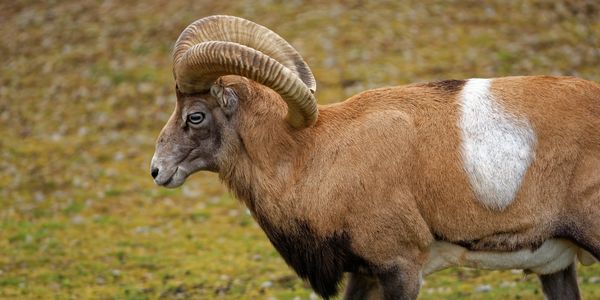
x=195 y=118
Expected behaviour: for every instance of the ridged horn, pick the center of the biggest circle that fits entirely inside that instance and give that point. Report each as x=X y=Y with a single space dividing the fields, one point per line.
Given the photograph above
x=221 y=45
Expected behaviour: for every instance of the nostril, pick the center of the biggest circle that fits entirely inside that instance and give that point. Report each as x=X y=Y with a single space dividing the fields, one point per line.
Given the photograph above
x=154 y=172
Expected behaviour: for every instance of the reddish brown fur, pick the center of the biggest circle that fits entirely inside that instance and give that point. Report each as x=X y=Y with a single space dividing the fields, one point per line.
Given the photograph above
x=387 y=161
x=384 y=167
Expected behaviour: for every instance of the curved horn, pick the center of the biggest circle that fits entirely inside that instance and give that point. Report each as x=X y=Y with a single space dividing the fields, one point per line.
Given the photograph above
x=220 y=45
x=204 y=62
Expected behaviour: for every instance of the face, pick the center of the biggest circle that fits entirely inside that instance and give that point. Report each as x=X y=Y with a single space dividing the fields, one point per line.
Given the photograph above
x=189 y=142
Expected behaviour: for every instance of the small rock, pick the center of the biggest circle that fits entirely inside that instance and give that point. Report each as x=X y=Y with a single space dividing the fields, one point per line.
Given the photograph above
x=508 y=284
x=142 y=229
x=56 y=136
x=224 y=277
x=77 y=220
x=256 y=257
x=483 y=288
x=39 y=196
x=82 y=131
x=148 y=276
x=145 y=88
x=191 y=192
x=119 y=156
x=267 y=284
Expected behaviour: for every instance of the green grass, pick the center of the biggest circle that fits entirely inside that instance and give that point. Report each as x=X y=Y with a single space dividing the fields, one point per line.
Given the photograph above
x=85 y=87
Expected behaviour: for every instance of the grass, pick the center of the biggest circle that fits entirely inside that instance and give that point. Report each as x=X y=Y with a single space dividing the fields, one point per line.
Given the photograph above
x=85 y=87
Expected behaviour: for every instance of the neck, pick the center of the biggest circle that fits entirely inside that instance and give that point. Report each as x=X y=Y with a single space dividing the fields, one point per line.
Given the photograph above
x=266 y=160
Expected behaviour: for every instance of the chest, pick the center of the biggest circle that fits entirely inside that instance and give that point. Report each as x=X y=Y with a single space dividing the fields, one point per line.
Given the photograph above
x=322 y=260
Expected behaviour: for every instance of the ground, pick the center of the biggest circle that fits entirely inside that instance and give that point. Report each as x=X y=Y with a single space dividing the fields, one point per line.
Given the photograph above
x=85 y=87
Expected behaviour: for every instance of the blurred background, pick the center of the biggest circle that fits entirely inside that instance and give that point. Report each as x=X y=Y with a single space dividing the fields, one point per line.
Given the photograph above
x=85 y=87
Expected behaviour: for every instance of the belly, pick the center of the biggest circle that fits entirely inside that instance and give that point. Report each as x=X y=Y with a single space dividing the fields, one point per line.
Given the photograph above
x=554 y=255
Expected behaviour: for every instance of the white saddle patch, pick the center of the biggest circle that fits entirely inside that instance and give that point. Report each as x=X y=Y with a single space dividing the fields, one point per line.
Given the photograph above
x=497 y=147
x=554 y=255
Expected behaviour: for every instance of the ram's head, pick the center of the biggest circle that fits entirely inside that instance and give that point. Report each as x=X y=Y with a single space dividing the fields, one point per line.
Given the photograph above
x=203 y=123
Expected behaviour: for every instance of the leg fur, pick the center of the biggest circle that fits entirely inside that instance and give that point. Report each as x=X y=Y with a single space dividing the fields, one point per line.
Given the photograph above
x=584 y=229
x=583 y=222
x=361 y=287
x=400 y=280
x=561 y=285
x=399 y=285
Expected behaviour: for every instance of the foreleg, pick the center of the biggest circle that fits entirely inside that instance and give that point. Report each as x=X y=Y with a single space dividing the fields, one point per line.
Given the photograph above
x=400 y=282
x=361 y=287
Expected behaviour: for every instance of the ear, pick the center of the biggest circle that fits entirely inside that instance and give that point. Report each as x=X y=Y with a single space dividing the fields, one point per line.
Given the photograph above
x=226 y=97
x=178 y=92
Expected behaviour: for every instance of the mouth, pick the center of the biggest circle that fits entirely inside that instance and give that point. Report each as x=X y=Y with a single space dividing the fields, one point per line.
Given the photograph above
x=176 y=179
x=164 y=180
x=168 y=180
